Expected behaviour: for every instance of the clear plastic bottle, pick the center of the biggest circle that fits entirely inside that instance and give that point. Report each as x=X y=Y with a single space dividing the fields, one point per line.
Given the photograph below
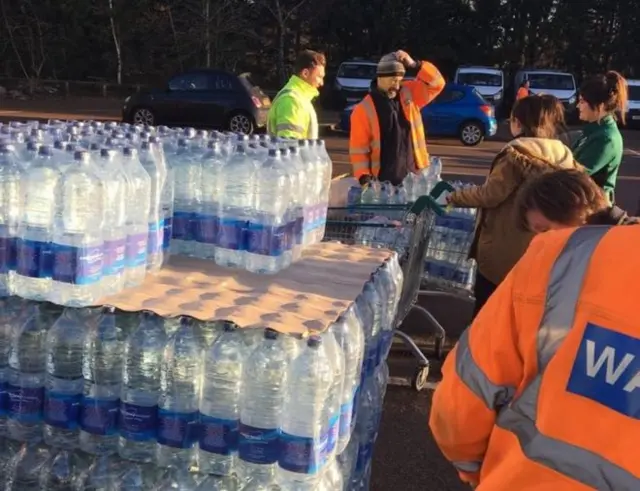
x=264 y=379
x=9 y=310
x=64 y=380
x=333 y=401
x=10 y=213
x=180 y=379
x=138 y=204
x=77 y=244
x=220 y=402
x=102 y=371
x=156 y=168
x=27 y=368
x=141 y=389
x=26 y=467
x=304 y=418
x=297 y=182
x=267 y=248
x=327 y=172
x=188 y=178
x=208 y=212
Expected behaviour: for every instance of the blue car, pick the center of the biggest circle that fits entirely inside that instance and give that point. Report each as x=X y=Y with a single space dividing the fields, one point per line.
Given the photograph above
x=459 y=111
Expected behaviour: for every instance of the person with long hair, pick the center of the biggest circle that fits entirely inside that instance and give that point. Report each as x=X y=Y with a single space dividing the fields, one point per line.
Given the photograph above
x=602 y=100
x=498 y=243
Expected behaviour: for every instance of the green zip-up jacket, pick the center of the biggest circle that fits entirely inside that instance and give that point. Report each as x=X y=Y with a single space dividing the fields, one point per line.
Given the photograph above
x=292 y=114
x=599 y=150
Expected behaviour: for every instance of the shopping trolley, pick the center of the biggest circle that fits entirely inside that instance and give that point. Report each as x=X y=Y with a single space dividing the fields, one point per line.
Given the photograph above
x=406 y=229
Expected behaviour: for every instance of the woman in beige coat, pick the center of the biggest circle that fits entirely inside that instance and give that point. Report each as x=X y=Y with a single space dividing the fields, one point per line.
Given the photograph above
x=498 y=240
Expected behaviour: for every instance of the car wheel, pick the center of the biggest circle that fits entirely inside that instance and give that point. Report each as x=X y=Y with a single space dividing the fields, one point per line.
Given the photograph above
x=471 y=133
x=143 y=115
x=240 y=123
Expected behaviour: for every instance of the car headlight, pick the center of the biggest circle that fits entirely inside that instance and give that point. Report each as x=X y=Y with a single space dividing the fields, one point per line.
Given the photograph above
x=572 y=99
x=498 y=96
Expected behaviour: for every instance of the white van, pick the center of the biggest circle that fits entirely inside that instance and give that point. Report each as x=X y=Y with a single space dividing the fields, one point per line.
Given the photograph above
x=633 y=106
x=488 y=81
x=554 y=82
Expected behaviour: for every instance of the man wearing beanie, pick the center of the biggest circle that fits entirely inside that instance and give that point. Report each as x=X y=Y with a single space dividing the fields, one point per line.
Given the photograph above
x=387 y=139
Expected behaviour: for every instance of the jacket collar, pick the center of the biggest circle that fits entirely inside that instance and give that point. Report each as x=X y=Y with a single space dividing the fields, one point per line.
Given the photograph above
x=304 y=88
x=597 y=126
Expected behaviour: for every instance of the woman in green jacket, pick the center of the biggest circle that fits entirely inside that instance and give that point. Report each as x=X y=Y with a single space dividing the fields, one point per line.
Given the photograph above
x=600 y=147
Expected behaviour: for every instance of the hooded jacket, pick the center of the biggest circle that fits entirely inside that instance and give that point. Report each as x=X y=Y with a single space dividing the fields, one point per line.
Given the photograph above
x=498 y=241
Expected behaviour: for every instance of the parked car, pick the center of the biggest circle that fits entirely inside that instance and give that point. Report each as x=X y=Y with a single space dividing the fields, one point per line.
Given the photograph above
x=554 y=82
x=353 y=80
x=459 y=111
x=202 y=98
x=488 y=81
x=633 y=106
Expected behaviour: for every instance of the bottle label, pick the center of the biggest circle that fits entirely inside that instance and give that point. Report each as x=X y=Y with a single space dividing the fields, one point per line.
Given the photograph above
x=138 y=423
x=177 y=430
x=4 y=398
x=332 y=433
x=136 y=250
x=8 y=251
x=113 y=259
x=99 y=416
x=207 y=229
x=155 y=237
x=62 y=410
x=259 y=445
x=232 y=234
x=266 y=240
x=33 y=259
x=219 y=436
x=168 y=231
x=301 y=454
x=76 y=265
x=346 y=417
x=183 y=225
x=25 y=403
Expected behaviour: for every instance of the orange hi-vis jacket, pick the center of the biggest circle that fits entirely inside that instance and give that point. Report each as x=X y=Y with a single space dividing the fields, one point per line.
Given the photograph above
x=542 y=392
x=364 y=140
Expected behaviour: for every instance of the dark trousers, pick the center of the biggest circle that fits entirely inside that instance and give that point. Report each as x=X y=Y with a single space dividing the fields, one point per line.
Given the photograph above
x=482 y=290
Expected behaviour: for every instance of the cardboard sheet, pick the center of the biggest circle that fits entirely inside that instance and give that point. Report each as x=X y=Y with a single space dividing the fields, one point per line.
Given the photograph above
x=306 y=297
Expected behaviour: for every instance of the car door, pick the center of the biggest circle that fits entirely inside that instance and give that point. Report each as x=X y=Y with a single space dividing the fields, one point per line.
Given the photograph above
x=448 y=114
x=431 y=113
x=220 y=96
x=179 y=103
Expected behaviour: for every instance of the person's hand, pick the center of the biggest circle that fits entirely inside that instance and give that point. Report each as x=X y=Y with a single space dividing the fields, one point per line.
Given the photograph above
x=404 y=58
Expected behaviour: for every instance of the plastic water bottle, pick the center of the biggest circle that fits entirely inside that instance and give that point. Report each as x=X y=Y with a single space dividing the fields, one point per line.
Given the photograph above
x=26 y=467
x=267 y=251
x=264 y=378
x=102 y=372
x=188 y=178
x=236 y=191
x=138 y=204
x=208 y=211
x=156 y=168
x=77 y=248
x=10 y=310
x=26 y=377
x=297 y=184
x=116 y=187
x=64 y=381
x=220 y=402
x=179 y=397
x=10 y=212
x=327 y=172
x=366 y=426
x=304 y=425
x=335 y=356
x=141 y=389
x=372 y=331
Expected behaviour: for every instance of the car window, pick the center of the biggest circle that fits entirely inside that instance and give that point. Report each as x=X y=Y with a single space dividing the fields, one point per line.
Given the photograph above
x=451 y=95
x=189 y=81
x=221 y=81
x=551 y=81
x=357 y=70
x=634 y=93
x=480 y=79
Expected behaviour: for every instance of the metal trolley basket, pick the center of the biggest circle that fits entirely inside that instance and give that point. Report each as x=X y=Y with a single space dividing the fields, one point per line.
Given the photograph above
x=405 y=229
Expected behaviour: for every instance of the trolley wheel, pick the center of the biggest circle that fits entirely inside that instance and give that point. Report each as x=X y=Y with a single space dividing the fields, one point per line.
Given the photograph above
x=419 y=380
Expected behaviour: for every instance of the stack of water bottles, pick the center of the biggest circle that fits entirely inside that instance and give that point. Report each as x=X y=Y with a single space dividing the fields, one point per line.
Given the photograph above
x=249 y=203
x=195 y=405
x=82 y=215
x=447 y=264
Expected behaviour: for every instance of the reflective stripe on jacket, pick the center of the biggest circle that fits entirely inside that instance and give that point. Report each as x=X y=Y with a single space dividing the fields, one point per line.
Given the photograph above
x=364 y=139
x=542 y=392
x=292 y=114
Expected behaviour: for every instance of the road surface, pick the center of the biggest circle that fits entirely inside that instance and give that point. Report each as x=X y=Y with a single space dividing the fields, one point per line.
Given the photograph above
x=406 y=457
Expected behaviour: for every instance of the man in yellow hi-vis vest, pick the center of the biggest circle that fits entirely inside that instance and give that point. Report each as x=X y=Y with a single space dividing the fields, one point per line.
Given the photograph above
x=292 y=114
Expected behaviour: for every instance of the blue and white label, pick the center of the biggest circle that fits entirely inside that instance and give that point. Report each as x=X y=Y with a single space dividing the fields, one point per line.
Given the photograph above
x=168 y=231
x=113 y=257
x=4 y=399
x=25 y=403
x=62 y=410
x=301 y=454
x=346 y=417
x=219 y=436
x=155 y=237
x=136 y=250
x=266 y=240
x=177 y=430
x=33 y=259
x=138 y=423
x=232 y=234
x=99 y=416
x=607 y=370
x=207 y=229
x=76 y=265
x=7 y=251
x=259 y=445
x=332 y=433
x=183 y=225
